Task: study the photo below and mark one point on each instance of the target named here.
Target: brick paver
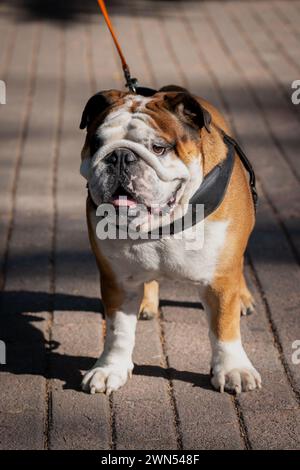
(242, 56)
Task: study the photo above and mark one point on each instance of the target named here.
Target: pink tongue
(123, 201)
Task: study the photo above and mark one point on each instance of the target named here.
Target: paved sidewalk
(241, 55)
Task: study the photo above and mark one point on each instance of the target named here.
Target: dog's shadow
(29, 352)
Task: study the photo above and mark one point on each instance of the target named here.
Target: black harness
(212, 190)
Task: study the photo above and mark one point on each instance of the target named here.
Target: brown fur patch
(224, 302)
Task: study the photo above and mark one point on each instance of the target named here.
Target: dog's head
(143, 150)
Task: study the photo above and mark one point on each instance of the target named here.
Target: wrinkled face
(143, 150)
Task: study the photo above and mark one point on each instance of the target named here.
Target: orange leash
(131, 83)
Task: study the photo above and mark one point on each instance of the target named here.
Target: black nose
(121, 154)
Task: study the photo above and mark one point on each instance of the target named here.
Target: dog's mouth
(124, 198)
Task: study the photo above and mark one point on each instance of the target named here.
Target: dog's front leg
(231, 368)
(115, 365)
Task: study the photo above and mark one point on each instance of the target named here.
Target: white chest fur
(145, 260)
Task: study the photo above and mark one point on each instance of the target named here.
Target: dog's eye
(158, 149)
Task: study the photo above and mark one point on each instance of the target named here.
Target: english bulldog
(157, 151)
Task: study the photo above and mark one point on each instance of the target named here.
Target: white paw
(236, 380)
(106, 379)
(231, 368)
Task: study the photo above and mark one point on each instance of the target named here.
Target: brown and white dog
(163, 146)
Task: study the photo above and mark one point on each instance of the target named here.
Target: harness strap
(248, 167)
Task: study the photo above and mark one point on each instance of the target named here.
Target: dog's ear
(188, 109)
(97, 104)
(173, 88)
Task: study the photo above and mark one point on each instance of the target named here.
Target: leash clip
(131, 83)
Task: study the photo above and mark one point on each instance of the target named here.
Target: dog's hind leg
(247, 301)
(150, 303)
